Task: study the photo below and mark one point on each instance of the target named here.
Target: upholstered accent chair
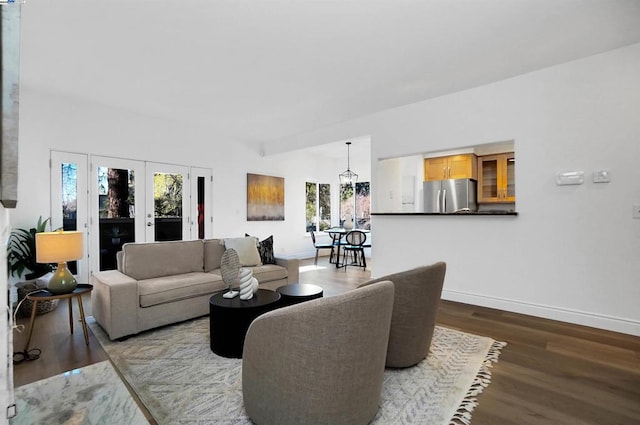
(415, 305)
(318, 362)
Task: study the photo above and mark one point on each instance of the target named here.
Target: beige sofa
(160, 283)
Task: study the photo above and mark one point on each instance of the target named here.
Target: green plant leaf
(21, 250)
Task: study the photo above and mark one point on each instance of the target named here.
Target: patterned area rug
(180, 380)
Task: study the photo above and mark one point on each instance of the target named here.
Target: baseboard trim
(595, 320)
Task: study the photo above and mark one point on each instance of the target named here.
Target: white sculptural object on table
(248, 284)
(230, 267)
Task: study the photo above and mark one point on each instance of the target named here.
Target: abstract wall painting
(265, 198)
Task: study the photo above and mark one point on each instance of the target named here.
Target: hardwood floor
(549, 373)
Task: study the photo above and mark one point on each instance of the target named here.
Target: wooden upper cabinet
(435, 168)
(451, 167)
(496, 178)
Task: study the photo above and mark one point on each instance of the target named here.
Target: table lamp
(59, 247)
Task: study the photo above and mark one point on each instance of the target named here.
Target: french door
(115, 201)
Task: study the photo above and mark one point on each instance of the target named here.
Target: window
(347, 205)
(318, 206)
(363, 206)
(356, 203)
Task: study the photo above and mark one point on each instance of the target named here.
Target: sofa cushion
(269, 272)
(213, 250)
(167, 289)
(157, 259)
(247, 249)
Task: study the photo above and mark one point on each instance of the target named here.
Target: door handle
(438, 201)
(149, 224)
(444, 200)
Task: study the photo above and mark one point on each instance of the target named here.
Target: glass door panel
(489, 170)
(69, 202)
(201, 211)
(168, 219)
(117, 184)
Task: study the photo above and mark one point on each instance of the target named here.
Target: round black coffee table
(229, 319)
(298, 292)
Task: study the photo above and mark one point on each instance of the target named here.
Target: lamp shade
(57, 247)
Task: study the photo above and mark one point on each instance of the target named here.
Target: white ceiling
(257, 71)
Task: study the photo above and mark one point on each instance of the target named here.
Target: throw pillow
(265, 249)
(246, 249)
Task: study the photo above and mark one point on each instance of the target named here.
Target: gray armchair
(319, 362)
(417, 296)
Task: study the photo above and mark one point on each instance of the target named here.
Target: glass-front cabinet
(496, 178)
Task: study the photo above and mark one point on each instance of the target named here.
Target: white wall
(573, 252)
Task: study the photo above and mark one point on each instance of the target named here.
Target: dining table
(337, 234)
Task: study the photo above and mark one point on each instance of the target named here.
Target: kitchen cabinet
(496, 178)
(451, 167)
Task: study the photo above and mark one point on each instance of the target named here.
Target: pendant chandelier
(348, 178)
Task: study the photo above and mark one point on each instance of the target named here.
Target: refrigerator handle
(444, 200)
(438, 202)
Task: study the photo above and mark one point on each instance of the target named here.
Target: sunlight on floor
(310, 268)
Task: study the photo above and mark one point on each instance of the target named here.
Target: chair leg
(316, 261)
(364, 260)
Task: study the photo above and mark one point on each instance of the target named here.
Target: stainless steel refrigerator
(450, 196)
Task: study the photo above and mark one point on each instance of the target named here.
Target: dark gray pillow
(265, 249)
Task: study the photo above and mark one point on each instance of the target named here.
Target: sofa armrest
(120, 260)
(114, 303)
(293, 268)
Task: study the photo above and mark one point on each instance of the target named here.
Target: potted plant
(21, 252)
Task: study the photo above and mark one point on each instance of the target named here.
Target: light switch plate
(601, 176)
(636, 211)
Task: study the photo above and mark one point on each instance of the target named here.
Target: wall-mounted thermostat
(569, 177)
(601, 176)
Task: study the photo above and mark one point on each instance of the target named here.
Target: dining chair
(355, 241)
(319, 246)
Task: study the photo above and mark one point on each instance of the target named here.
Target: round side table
(229, 319)
(44, 295)
(295, 293)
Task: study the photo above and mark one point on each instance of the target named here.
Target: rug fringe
(481, 381)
